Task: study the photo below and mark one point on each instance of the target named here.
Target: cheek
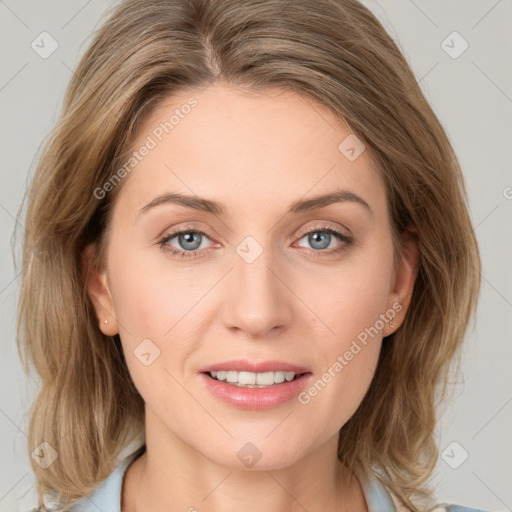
(150, 300)
(348, 359)
(158, 312)
(140, 305)
(348, 325)
(352, 298)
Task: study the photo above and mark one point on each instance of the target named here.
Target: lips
(244, 365)
(266, 397)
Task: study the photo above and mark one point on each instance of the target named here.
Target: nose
(259, 301)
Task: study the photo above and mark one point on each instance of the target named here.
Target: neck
(172, 476)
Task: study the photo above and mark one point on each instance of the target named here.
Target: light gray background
(472, 95)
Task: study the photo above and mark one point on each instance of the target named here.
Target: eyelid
(346, 239)
(172, 232)
(342, 231)
(304, 231)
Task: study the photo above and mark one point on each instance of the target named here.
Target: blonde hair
(332, 51)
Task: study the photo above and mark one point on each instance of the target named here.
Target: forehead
(240, 147)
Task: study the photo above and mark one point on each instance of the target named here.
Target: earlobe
(405, 277)
(99, 292)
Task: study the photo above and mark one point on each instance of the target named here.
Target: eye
(188, 241)
(321, 238)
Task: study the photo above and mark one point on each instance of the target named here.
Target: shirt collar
(107, 496)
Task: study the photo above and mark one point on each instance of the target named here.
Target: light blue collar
(376, 495)
(107, 496)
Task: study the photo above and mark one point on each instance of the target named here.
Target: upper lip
(244, 365)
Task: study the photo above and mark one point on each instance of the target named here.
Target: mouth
(255, 390)
(246, 379)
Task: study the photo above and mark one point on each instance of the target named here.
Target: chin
(257, 452)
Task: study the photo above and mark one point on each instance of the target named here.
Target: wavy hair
(331, 51)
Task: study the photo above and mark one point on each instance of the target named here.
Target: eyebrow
(299, 206)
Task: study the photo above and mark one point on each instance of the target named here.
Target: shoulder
(442, 507)
(106, 496)
(446, 507)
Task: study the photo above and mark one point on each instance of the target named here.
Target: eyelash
(196, 253)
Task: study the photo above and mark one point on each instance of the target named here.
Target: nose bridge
(258, 301)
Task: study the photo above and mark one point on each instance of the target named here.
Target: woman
(248, 250)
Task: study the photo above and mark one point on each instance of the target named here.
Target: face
(266, 274)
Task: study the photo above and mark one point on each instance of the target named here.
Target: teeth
(253, 379)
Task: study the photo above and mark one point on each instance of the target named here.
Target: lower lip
(256, 398)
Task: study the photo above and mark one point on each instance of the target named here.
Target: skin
(255, 154)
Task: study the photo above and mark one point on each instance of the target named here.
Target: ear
(403, 280)
(99, 292)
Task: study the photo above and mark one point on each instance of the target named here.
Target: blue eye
(321, 238)
(190, 240)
